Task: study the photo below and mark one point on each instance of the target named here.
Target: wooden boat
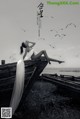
(7, 78)
(68, 82)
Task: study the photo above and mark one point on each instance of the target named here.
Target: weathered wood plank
(8, 75)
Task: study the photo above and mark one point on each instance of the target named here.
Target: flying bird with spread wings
(71, 24)
(51, 46)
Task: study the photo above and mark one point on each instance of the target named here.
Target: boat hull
(69, 83)
(8, 74)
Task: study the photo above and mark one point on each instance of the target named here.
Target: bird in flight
(70, 25)
(61, 29)
(51, 46)
(58, 35)
(23, 30)
(63, 34)
(42, 38)
(54, 30)
(52, 17)
(51, 30)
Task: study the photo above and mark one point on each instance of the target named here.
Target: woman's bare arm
(25, 53)
(32, 44)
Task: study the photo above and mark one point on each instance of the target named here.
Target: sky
(60, 30)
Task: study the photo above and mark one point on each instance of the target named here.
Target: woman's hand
(31, 42)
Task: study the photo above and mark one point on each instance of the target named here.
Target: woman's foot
(49, 61)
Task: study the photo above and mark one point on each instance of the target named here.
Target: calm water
(64, 71)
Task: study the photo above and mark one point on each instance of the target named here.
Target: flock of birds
(57, 33)
(61, 36)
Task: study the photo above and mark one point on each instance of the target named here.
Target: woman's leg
(54, 60)
(43, 52)
(50, 59)
(37, 56)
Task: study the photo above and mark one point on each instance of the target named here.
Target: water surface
(63, 71)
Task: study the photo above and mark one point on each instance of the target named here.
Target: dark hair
(23, 45)
(21, 50)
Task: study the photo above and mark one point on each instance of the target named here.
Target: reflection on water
(63, 71)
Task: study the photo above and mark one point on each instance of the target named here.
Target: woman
(34, 56)
(27, 47)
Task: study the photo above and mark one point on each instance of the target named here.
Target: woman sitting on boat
(33, 55)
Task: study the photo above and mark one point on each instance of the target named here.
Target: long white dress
(18, 85)
(19, 82)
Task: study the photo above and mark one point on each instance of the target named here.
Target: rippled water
(63, 71)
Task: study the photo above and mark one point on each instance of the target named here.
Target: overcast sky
(60, 32)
